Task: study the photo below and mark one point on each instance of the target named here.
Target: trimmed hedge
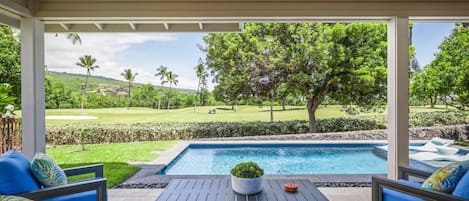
(70, 134)
(424, 119)
(114, 133)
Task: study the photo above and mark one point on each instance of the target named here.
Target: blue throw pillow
(15, 176)
(446, 178)
(47, 172)
(462, 189)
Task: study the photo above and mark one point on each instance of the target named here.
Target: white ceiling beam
(156, 27)
(99, 26)
(201, 26)
(241, 26)
(166, 26)
(214, 20)
(15, 8)
(133, 26)
(66, 26)
(195, 9)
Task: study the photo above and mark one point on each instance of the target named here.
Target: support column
(398, 95)
(32, 86)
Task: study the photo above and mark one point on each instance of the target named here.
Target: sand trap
(64, 117)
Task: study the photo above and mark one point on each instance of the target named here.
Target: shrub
(423, 119)
(115, 133)
(247, 170)
(70, 134)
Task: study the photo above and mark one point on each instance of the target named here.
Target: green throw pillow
(47, 172)
(12, 198)
(446, 178)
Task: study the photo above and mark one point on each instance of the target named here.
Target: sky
(144, 52)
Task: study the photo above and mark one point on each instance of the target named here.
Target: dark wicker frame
(378, 183)
(99, 185)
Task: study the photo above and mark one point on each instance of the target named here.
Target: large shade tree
(87, 62)
(130, 77)
(10, 68)
(446, 78)
(346, 62)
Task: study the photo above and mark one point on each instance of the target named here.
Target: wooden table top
(220, 190)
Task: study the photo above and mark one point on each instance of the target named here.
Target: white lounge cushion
(430, 156)
(441, 141)
(444, 150)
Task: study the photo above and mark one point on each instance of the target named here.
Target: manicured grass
(225, 114)
(115, 157)
(462, 143)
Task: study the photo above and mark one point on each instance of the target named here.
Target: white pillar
(32, 86)
(398, 95)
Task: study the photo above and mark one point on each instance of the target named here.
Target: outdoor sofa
(16, 179)
(384, 189)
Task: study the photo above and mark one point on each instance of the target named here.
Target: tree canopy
(345, 62)
(10, 67)
(446, 78)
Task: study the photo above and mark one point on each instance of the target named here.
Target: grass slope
(74, 82)
(115, 157)
(244, 113)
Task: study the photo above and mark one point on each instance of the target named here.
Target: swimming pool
(215, 159)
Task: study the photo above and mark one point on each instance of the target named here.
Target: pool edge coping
(168, 156)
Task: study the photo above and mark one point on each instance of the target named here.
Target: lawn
(115, 157)
(462, 143)
(243, 113)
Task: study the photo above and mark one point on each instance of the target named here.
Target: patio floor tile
(333, 194)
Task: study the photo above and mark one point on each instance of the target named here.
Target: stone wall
(456, 132)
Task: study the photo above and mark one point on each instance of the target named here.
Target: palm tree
(161, 72)
(202, 75)
(171, 78)
(87, 62)
(73, 37)
(129, 76)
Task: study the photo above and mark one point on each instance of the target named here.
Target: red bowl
(291, 187)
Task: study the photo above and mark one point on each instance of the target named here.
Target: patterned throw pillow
(446, 178)
(12, 198)
(47, 172)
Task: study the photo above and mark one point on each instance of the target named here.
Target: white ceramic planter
(247, 186)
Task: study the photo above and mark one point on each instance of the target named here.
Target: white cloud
(61, 55)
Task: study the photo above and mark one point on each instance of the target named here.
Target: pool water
(301, 159)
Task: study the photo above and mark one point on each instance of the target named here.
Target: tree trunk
(84, 91)
(272, 107)
(128, 98)
(432, 102)
(159, 99)
(312, 116)
(169, 97)
(283, 104)
(197, 94)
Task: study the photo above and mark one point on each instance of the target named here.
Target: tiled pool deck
(333, 194)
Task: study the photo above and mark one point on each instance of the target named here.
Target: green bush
(424, 119)
(70, 134)
(247, 170)
(114, 133)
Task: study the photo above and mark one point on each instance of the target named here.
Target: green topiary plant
(247, 170)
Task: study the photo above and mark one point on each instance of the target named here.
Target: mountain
(74, 82)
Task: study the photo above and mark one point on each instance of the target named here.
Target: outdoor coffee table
(220, 190)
